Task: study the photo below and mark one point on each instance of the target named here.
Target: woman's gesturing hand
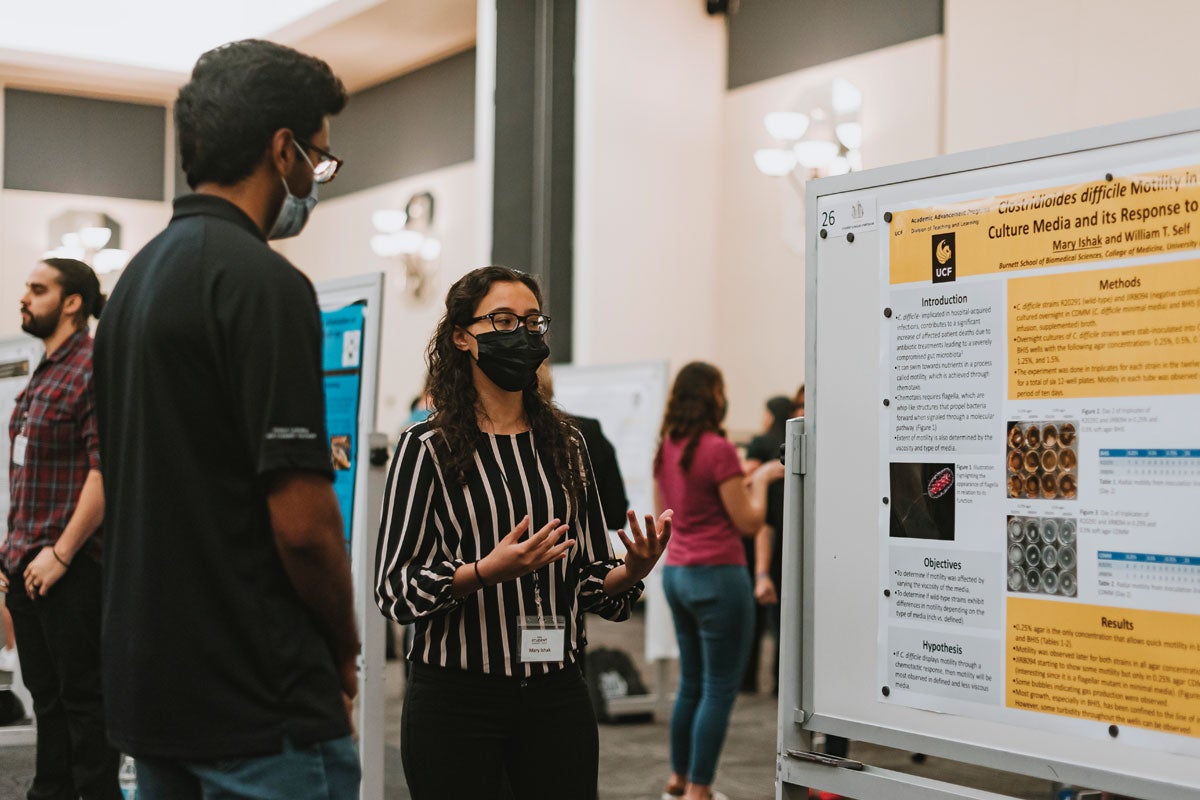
(642, 550)
(513, 558)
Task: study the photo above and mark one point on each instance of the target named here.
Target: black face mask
(510, 360)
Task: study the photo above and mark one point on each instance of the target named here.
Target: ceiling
(144, 49)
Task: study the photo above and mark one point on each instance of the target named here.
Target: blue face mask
(419, 415)
(293, 214)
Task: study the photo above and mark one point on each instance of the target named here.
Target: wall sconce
(823, 137)
(88, 236)
(408, 236)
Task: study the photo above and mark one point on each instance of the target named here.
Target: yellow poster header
(1121, 217)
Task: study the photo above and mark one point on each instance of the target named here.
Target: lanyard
(537, 501)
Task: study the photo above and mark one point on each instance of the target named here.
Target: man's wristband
(58, 558)
(760, 575)
(482, 583)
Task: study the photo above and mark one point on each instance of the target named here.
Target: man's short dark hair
(240, 94)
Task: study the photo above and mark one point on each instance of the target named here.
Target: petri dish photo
(1016, 579)
(1033, 436)
(1033, 580)
(1050, 436)
(1066, 434)
(1016, 439)
(1067, 487)
(1049, 581)
(1066, 558)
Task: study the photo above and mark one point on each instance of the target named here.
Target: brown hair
(455, 400)
(692, 410)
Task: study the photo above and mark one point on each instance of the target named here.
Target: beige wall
(24, 237)
(1028, 68)
(760, 271)
(649, 88)
(336, 244)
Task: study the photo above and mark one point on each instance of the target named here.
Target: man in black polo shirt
(229, 641)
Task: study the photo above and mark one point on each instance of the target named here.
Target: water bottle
(1065, 792)
(127, 778)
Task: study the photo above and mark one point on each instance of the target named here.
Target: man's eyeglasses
(326, 168)
(507, 322)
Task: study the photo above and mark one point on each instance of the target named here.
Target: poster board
(997, 503)
(629, 400)
(351, 318)
(18, 359)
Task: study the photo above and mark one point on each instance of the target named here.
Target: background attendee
(51, 557)
(762, 448)
(474, 550)
(230, 642)
(610, 485)
(697, 472)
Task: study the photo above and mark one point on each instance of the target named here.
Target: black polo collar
(210, 205)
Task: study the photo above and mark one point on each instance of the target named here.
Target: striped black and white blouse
(432, 525)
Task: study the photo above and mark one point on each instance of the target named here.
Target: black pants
(58, 641)
(464, 733)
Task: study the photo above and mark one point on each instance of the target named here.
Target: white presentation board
(1003, 472)
(629, 400)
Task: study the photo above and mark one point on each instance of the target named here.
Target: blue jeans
(713, 609)
(323, 771)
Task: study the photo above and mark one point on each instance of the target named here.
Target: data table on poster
(1164, 463)
(1149, 572)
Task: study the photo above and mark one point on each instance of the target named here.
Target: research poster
(342, 367)
(1041, 437)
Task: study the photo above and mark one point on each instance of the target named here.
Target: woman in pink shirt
(697, 472)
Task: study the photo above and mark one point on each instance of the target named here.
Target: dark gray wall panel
(418, 122)
(78, 145)
(534, 175)
(768, 38)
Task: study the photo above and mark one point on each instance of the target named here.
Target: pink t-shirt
(702, 534)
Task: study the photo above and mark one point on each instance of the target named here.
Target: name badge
(20, 445)
(543, 639)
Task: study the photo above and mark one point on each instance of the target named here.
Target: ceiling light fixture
(821, 136)
(407, 236)
(92, 237)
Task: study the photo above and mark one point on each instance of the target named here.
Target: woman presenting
(493, 545)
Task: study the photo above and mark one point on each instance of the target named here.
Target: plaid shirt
(57, 411)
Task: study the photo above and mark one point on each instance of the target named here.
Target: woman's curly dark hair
(692, 410)
(452, 389)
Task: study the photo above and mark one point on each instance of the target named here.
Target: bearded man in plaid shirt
(51, 557)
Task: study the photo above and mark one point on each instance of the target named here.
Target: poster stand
(352, 311)
(1036, 287)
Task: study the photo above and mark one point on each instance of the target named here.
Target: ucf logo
(943, 257)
